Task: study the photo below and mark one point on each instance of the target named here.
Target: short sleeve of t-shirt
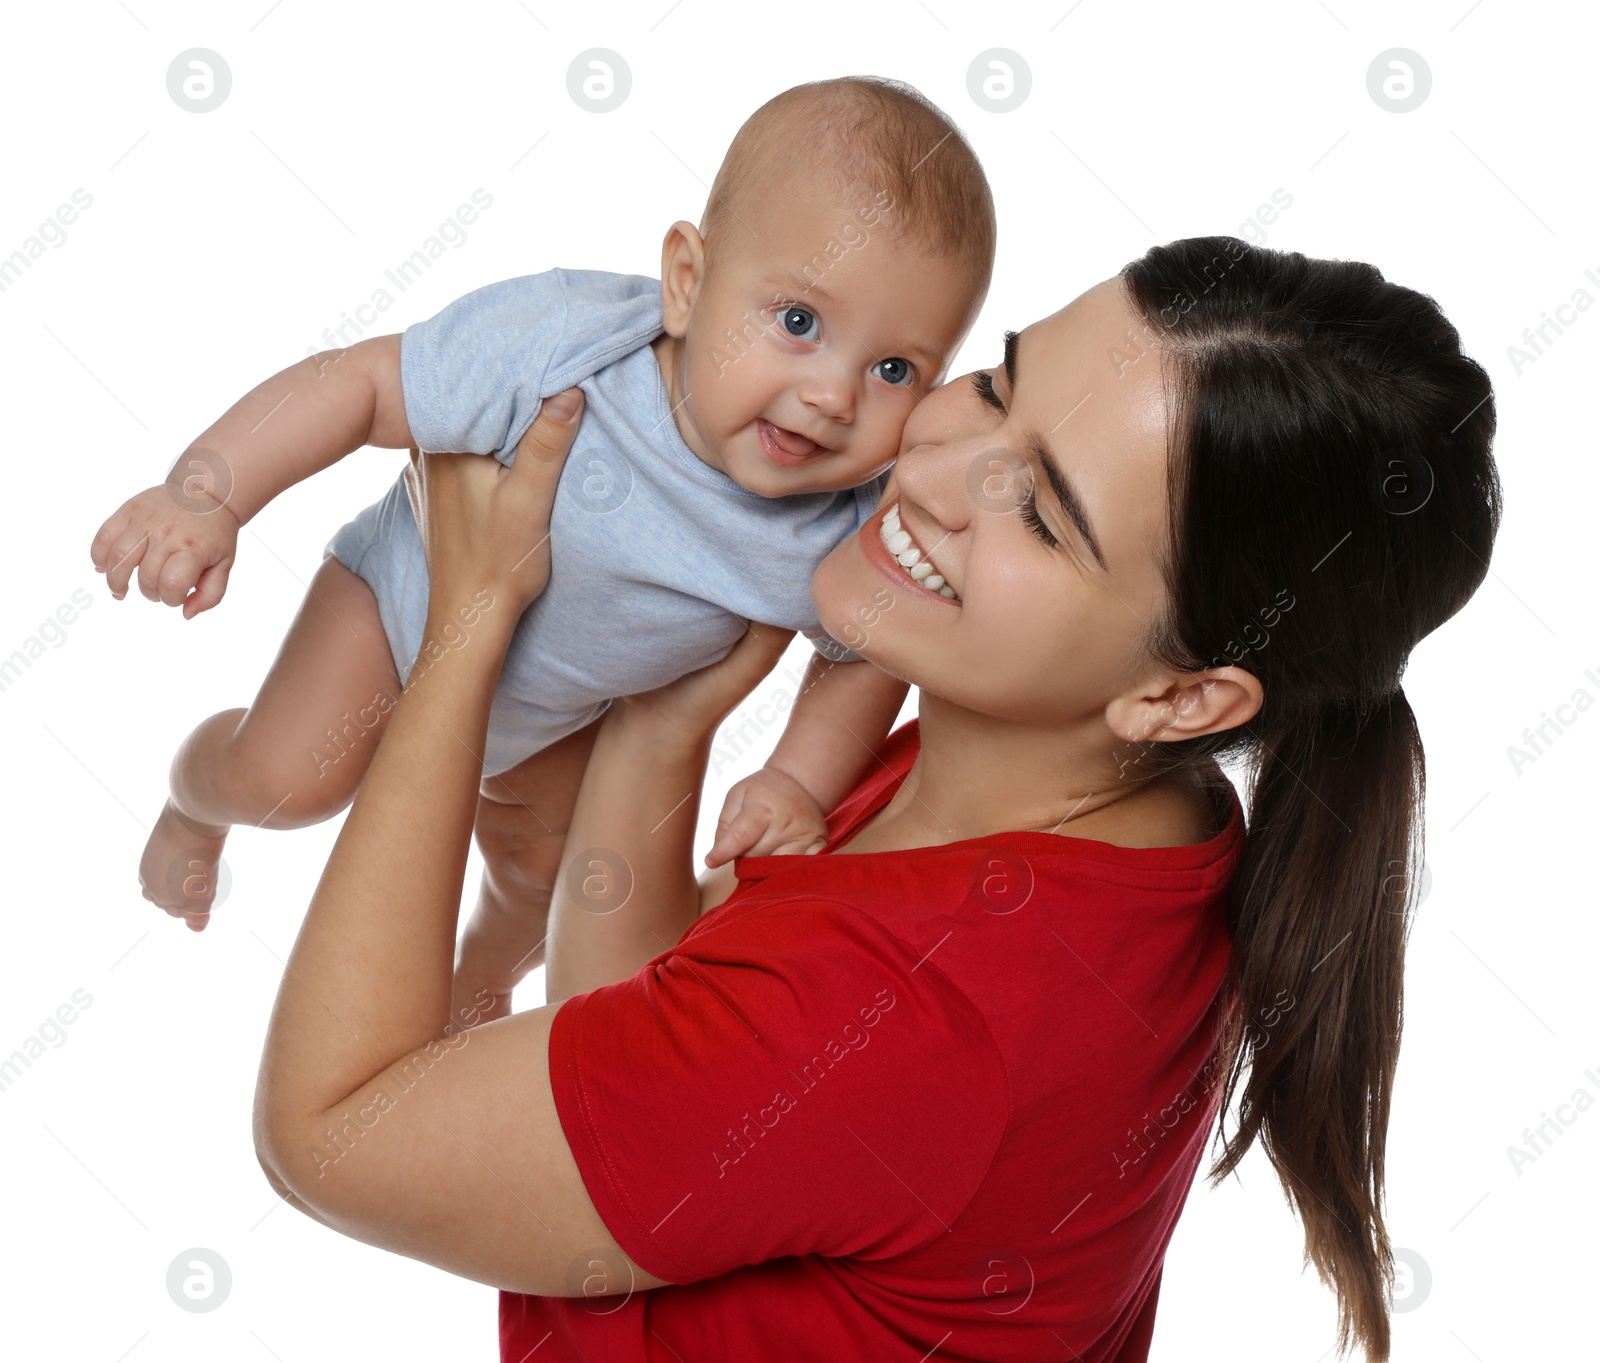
(786, 1081)
(473, 375)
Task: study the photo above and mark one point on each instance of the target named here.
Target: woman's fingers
(483, 523)
(412, 475)
(526, 493)
(550, 436)
(709, 695)
(756, 653)
(697, 702)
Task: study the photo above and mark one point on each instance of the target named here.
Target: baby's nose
(833, 395)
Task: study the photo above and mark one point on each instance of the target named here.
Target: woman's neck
(976, 776)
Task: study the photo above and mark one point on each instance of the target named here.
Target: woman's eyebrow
(1060, 484)
(1066, 494)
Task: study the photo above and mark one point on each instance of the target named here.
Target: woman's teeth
(904, 551)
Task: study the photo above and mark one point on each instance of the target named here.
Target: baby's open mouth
(785, 446)
(904, 550)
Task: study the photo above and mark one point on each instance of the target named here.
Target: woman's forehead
(1082, 332)
(1096, 360)
(1089, 385)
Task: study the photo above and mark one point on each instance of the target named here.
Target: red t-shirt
(879, 1104)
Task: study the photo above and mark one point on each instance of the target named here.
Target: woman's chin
(841, 588)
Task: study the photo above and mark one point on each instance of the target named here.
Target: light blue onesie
(656, 558)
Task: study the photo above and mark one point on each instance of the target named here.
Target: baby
(739, 418)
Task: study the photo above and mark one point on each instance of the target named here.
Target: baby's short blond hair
(861, 138)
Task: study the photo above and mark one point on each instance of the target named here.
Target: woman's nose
(940, 478)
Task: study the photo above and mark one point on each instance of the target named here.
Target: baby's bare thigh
(524, 813)
(325, 702)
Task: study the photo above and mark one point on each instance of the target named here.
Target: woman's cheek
(853, 601)
(938, 418)
(896, 429)
(837, 578)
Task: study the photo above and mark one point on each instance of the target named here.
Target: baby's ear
(683, 269)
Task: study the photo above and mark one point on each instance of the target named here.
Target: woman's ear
(683, 270)
(1176, 708)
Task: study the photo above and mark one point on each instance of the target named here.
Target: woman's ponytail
(1332, 500)
(1319, 917)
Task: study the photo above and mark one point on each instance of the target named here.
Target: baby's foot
(178, 871)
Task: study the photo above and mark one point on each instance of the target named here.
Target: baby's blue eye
(893, 370)
(801, 322)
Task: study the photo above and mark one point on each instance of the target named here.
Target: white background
(220, 245)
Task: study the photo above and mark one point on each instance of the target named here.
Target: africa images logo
(853, 1036)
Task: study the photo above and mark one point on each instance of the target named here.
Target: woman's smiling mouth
(909, 559)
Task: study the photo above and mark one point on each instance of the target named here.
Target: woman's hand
(487, 526)
(635, 815)
(690, 708)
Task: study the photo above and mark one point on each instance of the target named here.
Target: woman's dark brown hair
(1333, 500)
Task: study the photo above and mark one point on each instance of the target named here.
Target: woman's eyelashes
(1029, 510)
(983, 381)
(1028, 505)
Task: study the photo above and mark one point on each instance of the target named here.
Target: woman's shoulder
(1183, 808)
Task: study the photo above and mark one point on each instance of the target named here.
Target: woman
(944, 1087)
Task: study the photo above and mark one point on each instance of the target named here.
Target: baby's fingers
(735, 837)
(208, 590)
(153, 569)
(100, 547)
(799, 844)
(789, 833)
(177, 577)
(127, 552)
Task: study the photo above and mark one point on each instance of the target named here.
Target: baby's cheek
(877, 442)
(711, 388)
(866, 463)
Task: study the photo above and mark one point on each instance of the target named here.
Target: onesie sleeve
(474, 374)
(786, 1081)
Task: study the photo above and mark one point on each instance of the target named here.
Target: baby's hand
(177, 550)
(768, 814)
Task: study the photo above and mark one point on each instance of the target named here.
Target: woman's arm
(447, 1149)
(627, 889)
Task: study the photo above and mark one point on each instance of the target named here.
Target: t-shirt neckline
(1184, 856)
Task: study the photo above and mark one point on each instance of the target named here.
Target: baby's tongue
(792, 443)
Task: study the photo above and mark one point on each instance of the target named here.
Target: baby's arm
(840, 719)
(181, 533)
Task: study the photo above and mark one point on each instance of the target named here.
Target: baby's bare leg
(294, 758)
(522, 821)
